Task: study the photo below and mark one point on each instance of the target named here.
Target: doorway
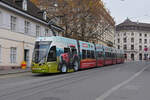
(26, 57)
(132, 57)
(140, 56)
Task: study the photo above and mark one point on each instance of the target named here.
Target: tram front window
(40, 51)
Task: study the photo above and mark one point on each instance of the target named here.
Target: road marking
(109, 92)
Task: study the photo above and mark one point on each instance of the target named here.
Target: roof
(129, 22)
(130, 25)
(31, 8)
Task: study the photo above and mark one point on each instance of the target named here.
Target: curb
(18, 72)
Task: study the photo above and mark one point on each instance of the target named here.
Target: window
(140, 47)
(107, 54)
(124, 34)
(46, 32)
(145, 35)
(66, 50)
(125, 40)
(118, 40)
(132, 40)
(52, 54)
(38, 30)
(145, 46)
(145, 56)
(92, 54)
(132, 47)
(0, 53)
(118, 46)
(145, 41)
(74, 51)
(140, 40)
(13, 23)
(13, 54)
(26, 27)
(132, 34)
(140, 34)
(100, 54)
(125, 47)
(88, 54)
(83, 54)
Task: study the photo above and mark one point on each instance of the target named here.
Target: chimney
(24, 5)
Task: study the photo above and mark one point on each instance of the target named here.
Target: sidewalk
(14, 71)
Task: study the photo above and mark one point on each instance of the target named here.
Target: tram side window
(88, 54)
(110, 55)
(66, 50)
(114, 55)
(92, 54)
(106, 54)
(74, 51)
(52, 54)
(117, 55)
(83, 54)
(100, 54)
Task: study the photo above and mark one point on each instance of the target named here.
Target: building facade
(20, 23)
(134, 39)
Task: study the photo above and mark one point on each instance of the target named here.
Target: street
(128, 81)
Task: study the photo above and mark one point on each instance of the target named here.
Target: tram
(59, 54)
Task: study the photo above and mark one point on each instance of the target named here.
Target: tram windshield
(40, 51)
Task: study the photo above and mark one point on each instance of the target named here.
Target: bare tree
(81, 19)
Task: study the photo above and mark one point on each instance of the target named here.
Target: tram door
(26, 57)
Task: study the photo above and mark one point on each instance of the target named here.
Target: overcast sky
(136, 10)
